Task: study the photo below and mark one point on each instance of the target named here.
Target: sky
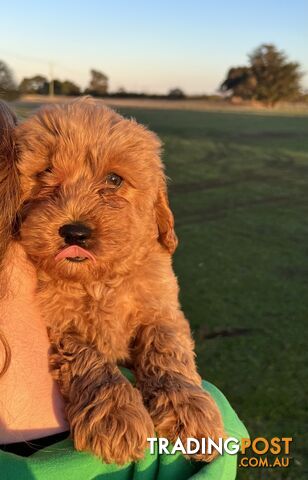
(149, 45)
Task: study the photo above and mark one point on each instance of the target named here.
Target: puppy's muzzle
(75, 233)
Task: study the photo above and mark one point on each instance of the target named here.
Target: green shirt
(61, 462)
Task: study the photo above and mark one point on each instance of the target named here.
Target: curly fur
(124, 308)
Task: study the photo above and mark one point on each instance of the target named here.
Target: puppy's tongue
(74, 251)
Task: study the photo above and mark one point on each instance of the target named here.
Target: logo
(264, 453)
(259, 452)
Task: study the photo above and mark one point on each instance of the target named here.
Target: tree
(39, 85)
(98, 85)
(70, 88)
(65, 88)
(34, 85)
(57, 87)
(176, 94)
(8, 88)
(277, 78)
(241, 81)
(270, 77)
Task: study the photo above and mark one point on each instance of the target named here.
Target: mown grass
(239, 192)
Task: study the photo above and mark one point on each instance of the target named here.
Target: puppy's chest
(100, 315)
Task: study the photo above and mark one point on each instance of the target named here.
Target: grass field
(239, 192)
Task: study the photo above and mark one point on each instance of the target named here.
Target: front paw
(113, 424)
(186, 411)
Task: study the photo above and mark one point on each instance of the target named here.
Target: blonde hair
(9, 204)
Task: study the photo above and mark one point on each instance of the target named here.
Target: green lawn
(239, 192)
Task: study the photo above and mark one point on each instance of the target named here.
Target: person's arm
(30, 403)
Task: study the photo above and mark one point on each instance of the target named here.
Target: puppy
(96, 223)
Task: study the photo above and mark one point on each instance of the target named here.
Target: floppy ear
(9, 181)
(165, 220)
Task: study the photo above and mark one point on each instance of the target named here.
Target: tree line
(40, 85)
(268, 78)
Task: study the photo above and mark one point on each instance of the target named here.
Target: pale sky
(148, 45)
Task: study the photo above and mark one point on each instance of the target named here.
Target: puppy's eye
(44, 172)
(113, 180)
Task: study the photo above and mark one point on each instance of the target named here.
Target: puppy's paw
(187, 412)
(112, 424)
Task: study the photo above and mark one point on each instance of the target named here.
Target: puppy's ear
(165, 220)
(9, 181)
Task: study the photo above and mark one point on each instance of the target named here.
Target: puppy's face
(93, 191)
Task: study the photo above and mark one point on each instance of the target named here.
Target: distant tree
(98, 86)
(57, 86)
(121, 92)
(8, 88)
(176, 94)
(241, 81)
(70, 88)
(270, 77)
(36, 85)
(277, 78)
(39, 85)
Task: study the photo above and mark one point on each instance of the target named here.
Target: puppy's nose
(75, 233)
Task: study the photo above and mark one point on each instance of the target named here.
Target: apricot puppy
(95, 221)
